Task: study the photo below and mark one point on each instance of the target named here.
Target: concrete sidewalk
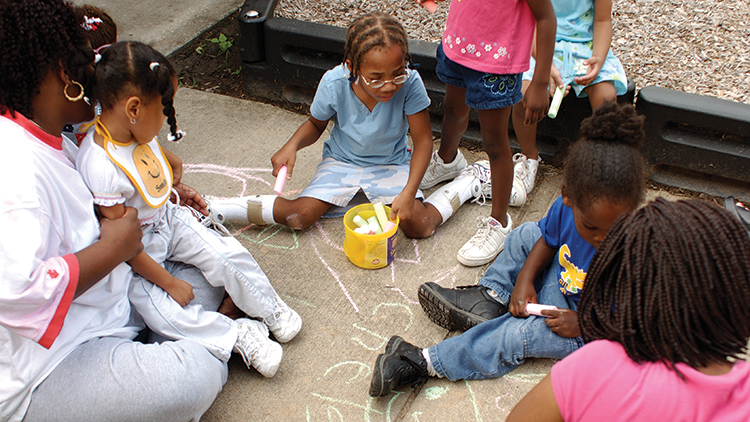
(348, 313)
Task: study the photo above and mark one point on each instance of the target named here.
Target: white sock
(451, 196)
(430, 369)
(266, 205)
(231, 208)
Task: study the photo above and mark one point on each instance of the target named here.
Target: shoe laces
(432, 168)
(213, 220)
(521, 171)
(483, 174)
(250, 340)
(485, 228)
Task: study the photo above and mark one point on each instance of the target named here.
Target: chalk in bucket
(369, 251)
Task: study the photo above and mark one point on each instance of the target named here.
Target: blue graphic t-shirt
(574, 254)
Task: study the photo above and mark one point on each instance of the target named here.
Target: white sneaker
(214, 220)
(484, 246)
(438, 171)
(287, 322)
(483, 190)
(256, 349)
(520, 175)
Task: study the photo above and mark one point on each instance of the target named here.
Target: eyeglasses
(377, 83)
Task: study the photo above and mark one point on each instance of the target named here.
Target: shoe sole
(378, 385)
(444, 313)
(477, 262)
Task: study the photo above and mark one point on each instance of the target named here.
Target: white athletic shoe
(438, 171)
(256, 349)
(483, 190)
(484, 246)
(287, 322)
(520, 175)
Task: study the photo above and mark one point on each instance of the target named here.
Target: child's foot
(229, 309)
(256, 349)
(438, 171)
(524, 177)
(287, 323)
(401, 364)
(486, 244)
(460, 308)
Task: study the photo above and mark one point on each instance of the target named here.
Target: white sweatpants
(178, 236)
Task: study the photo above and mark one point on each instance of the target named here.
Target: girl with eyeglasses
(374, 98)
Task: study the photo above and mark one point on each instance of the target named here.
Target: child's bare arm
(421, 134)
(146, 267)
(536, 98)
(540, 256)
(602, 41)
(307, 134)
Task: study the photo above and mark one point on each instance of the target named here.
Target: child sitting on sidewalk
(666, 321)
(543, 263)
(123, 165)
(374, 98)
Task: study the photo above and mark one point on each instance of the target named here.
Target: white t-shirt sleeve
(108, 184)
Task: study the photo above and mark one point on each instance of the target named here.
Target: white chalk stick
(361, 222)
(556, 100)
(278, 187)
(374, 226)
(536, 309)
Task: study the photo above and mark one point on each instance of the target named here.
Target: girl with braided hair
(666, 320)
(374, 97)
(123, 166)
(543, 263)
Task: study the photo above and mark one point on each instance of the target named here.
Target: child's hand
(594, 65)
(189, 197)
(123, 234)
(536, 101)
(181, 291)
(286, 156)
(403, 206)
(555, 81)
(523, 293)
(563, 322)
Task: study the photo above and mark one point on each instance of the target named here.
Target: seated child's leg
(299, 213)
(601, 92)
(496, 347)
(466, 306)
(425, 218)
(225, 262)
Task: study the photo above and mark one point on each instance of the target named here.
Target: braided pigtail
(671, 283)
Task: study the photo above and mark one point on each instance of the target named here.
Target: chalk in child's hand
(380, 213)
(278, 187)
(361, 222)
(536, 309)
(374, 226)
(556, 100)
(430, 6)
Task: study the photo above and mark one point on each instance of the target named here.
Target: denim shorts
(484, 91)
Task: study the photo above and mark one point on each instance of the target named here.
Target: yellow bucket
(369, 251)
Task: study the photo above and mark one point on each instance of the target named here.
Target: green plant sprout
(224, 45)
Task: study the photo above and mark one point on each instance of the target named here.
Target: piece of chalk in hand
(556, 100)
(536, 309)
(430, 6)
(278, 187)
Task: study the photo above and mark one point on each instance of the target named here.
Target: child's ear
(133, 107)
(566, 199)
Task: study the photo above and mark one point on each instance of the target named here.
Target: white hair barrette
(90, 24)
(153, 65)
(176, 138)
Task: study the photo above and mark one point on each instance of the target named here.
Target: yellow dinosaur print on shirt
(571, 280)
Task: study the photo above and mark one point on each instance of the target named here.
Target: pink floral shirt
(492, 36)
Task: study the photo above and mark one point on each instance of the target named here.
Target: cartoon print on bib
(150, 170)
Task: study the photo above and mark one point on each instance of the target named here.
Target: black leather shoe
(460, 308)
(401, 364)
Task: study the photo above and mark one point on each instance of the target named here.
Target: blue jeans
(496, 347)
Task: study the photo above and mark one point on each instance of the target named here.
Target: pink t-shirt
(492, 36)
(599, 382)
